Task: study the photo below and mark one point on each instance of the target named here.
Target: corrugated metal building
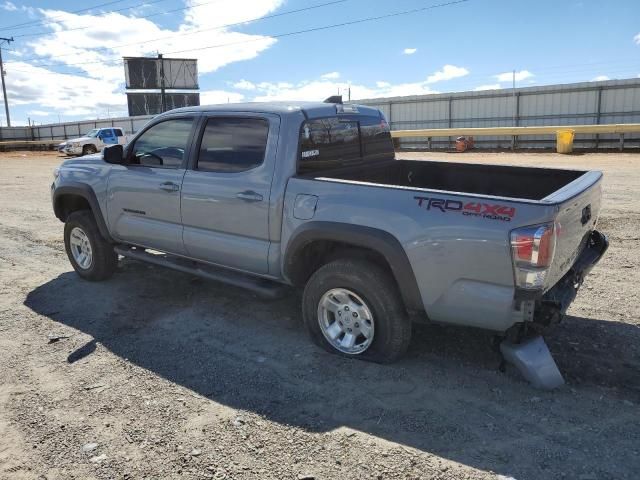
(612, 101)
(588, 103)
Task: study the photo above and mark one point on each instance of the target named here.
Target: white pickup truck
(94, 141)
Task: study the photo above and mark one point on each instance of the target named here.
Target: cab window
(233, 144)
(163, 145)
(327, 143)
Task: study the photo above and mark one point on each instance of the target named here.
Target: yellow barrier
(564, 141)
(517, 131)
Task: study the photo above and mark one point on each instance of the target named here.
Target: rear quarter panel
(462, 262)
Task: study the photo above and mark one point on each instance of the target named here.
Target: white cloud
(9, 6)
(600, 78)
(508, 76)
(99, 50)
(62, 93)
(244, 85)
(39, 113)
(322, 88)
(331, 75)
(212, 97)
(491, 86)
(448, 72)
(637, 39)
(325, 86)
(115, 35)
(409, 51)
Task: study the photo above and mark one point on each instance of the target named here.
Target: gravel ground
(156, 374)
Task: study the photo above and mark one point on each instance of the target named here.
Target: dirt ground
(158, 375)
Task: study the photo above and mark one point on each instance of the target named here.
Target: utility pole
(4, 88)
(163, 99)
(514, 98)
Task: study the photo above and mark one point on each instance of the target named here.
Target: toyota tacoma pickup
(270, 196)
(94, 141)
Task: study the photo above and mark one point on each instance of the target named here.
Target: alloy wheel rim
(81, 248)
(346, 321)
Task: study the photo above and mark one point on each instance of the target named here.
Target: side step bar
(262, 287)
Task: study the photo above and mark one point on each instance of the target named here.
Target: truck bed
(496, 180)
(455, 253)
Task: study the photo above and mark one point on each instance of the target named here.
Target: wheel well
(314, 255)
(67, 204)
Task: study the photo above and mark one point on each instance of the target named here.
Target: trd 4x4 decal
(491, 211)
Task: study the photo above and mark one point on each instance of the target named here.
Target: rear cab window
(343, 141)
(233, 144)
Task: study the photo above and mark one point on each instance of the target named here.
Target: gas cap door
(304, 207)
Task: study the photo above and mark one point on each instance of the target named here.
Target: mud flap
(534, 361)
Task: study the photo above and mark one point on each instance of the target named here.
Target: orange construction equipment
(464, 143)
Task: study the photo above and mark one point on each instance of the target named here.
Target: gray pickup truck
(269, 196)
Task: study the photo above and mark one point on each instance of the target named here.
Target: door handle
(249, 196)
(169, 187)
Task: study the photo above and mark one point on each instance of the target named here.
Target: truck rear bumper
(552, 306)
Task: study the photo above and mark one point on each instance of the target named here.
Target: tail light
(532, 250)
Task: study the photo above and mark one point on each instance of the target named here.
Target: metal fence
(64, 131)
(590, 103)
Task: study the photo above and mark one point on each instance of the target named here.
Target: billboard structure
(158, 75)
(143, 103)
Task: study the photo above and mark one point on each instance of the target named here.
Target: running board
(264, 288)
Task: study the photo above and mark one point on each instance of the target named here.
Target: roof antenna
(334, 99)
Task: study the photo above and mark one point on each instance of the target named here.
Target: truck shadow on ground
(446, 397)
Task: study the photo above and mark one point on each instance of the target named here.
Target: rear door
(225, 195)
(143, 202)
(120, 137)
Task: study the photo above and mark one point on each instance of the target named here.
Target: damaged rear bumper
(553, 304)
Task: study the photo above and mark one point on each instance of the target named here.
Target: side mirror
(113, 154)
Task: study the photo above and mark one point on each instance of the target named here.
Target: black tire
(89, 149)
(378, 289)
(104, 259)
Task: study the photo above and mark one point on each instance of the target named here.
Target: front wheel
(91, 256)
(89, 149)
(353, 308)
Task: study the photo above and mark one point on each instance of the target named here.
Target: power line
(327, 27)
(51, 21)
(45, 22)
(287, 34)
(193, 32)
(43, 34)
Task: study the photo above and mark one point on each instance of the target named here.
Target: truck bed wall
(497, 180)
(462, 263)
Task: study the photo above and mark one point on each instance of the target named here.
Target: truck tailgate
(578, 209)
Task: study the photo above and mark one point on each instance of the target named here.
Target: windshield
(93, 133)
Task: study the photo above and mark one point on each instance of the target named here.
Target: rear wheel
(91, 256)
(89, 149)
(353, 308)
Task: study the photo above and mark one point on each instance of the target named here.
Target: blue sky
(66, 64)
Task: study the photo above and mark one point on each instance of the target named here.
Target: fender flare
(86, 192)
(370, 238)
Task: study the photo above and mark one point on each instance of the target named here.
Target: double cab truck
(94, 141)
(270, 196)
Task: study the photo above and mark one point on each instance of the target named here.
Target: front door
(225, 197)
(108, 137)
(143, 198)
